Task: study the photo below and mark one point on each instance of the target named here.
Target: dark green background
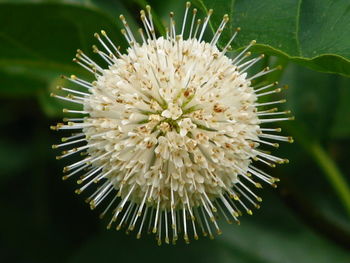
(305, 220)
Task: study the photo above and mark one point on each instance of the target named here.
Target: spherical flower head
(171, 129)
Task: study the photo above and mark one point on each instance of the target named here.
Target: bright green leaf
(314, 33)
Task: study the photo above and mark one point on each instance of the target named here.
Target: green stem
(334, 175)
(323, 160)
(318, 153)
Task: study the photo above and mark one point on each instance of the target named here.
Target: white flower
(170, 130)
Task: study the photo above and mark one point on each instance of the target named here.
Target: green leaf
(34, 56)
(14, 84)
(314, 33)
(54, 31)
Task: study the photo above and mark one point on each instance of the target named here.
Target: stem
(334, 175)
(320, 156)
(324, 161)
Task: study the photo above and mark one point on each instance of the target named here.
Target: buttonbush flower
(170, 131)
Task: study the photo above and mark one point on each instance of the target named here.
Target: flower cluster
(170, 130)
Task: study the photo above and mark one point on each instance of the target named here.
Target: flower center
(172, 112)
(173, 118)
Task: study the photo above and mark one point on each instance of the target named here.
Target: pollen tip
(96, 35)
(278, 90)
(238, 29)
(78, 191)
(188, 4)
(249, 212)
(95, 49)
(258, 185)
(187, 241)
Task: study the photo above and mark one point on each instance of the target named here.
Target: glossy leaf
(314, 33)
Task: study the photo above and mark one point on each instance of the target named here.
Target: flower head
(170, 130)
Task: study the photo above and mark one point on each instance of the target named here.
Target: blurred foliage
(305, 220)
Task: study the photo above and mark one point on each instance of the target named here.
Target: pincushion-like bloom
(170, 130)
